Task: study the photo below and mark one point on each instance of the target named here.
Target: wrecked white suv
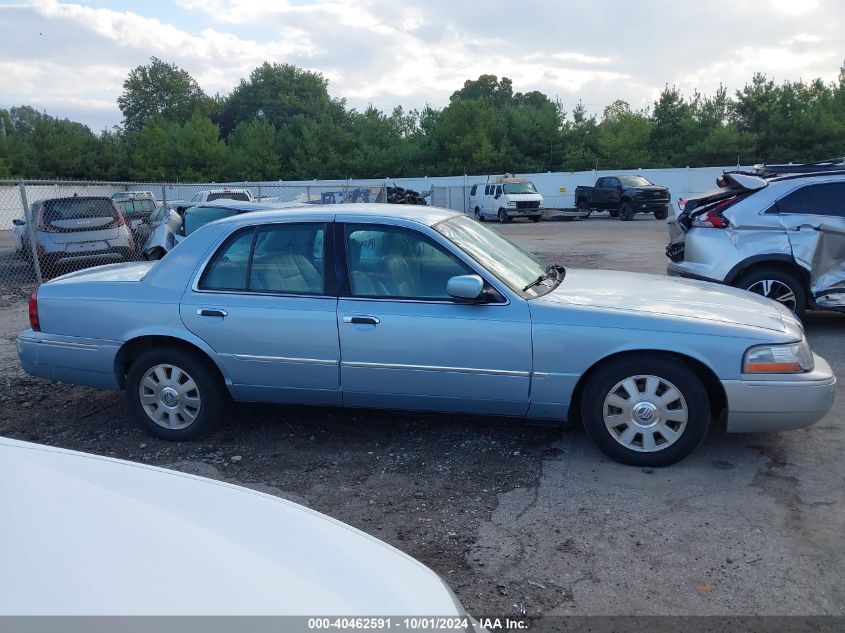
(781, 235)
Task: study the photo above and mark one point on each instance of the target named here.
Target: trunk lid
(133, 271)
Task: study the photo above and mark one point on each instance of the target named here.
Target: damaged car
(778, 234)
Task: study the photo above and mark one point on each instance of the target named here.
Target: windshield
(519, 187)
(513, 265)
(228, 195)
(634, 181)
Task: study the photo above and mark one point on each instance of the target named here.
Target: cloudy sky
(70, 58)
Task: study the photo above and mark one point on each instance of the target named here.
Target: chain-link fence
(51, 228)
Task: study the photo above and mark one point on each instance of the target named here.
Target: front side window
(392, 262)
(821, 199)
(280, 258)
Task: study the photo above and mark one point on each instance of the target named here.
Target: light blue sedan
(424, 309)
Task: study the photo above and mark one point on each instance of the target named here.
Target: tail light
(712, 216)
(119, 220)
(42, 226)
(34, 323)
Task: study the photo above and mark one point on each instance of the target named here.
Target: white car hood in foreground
(667, 296)
(87, 535)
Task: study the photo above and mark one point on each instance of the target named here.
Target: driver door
(406, 344)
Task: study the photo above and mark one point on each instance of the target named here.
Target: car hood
(132, 271)
(659, 295)
(89, 535)
(657, 188)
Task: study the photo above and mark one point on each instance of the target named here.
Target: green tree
(623, 137)
(162, 90)
(253, 152)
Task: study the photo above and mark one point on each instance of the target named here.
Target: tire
(637, 439)
(626, 212)
(584, 207)
(662, 214)
(614, 213)
(503, 216)
(776, 284)
(156, 370)
(478, 215)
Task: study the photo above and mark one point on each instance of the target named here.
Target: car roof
(42, 200)
(416, 213)
(243, 205)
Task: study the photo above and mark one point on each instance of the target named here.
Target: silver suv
(76, 228)
(777, 232)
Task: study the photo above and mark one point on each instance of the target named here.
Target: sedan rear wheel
(649, 412)
(173, 394)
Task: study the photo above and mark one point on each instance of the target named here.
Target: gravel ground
(520, 518)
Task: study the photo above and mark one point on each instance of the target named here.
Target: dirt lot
(521, 518)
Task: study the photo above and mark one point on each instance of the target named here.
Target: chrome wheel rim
(776, 290)
(169, 396)
(645, 413)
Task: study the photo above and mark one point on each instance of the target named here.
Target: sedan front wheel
(652, 412)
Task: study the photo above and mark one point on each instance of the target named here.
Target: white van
(505, 199)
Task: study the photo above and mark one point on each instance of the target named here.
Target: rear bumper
(780, 403)
(79, 361)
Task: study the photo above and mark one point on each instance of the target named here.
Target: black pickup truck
(623, 196)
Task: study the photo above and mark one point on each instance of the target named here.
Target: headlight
(792, 358)
(511, 204)
(542, 204)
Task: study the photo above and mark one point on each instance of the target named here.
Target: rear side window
(284, 258)
(228, 269)
(472, 191)
(821, 199)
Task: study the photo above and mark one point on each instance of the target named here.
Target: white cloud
(386, 53)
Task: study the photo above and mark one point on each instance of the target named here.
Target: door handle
(361, 320)
(212, 312)
(803, 227)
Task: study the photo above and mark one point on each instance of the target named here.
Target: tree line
(282, 123)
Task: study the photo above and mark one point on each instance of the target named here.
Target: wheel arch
(715, 392)
(133, 347)
(773, 260)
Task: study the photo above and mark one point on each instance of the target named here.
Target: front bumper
(650, 206)
(780, 403)
(71, 359)
(523, 213)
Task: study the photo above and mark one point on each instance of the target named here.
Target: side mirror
(465, 287)
(19, 222)
(174, 221)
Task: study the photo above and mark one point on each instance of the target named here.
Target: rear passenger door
(266, 303)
